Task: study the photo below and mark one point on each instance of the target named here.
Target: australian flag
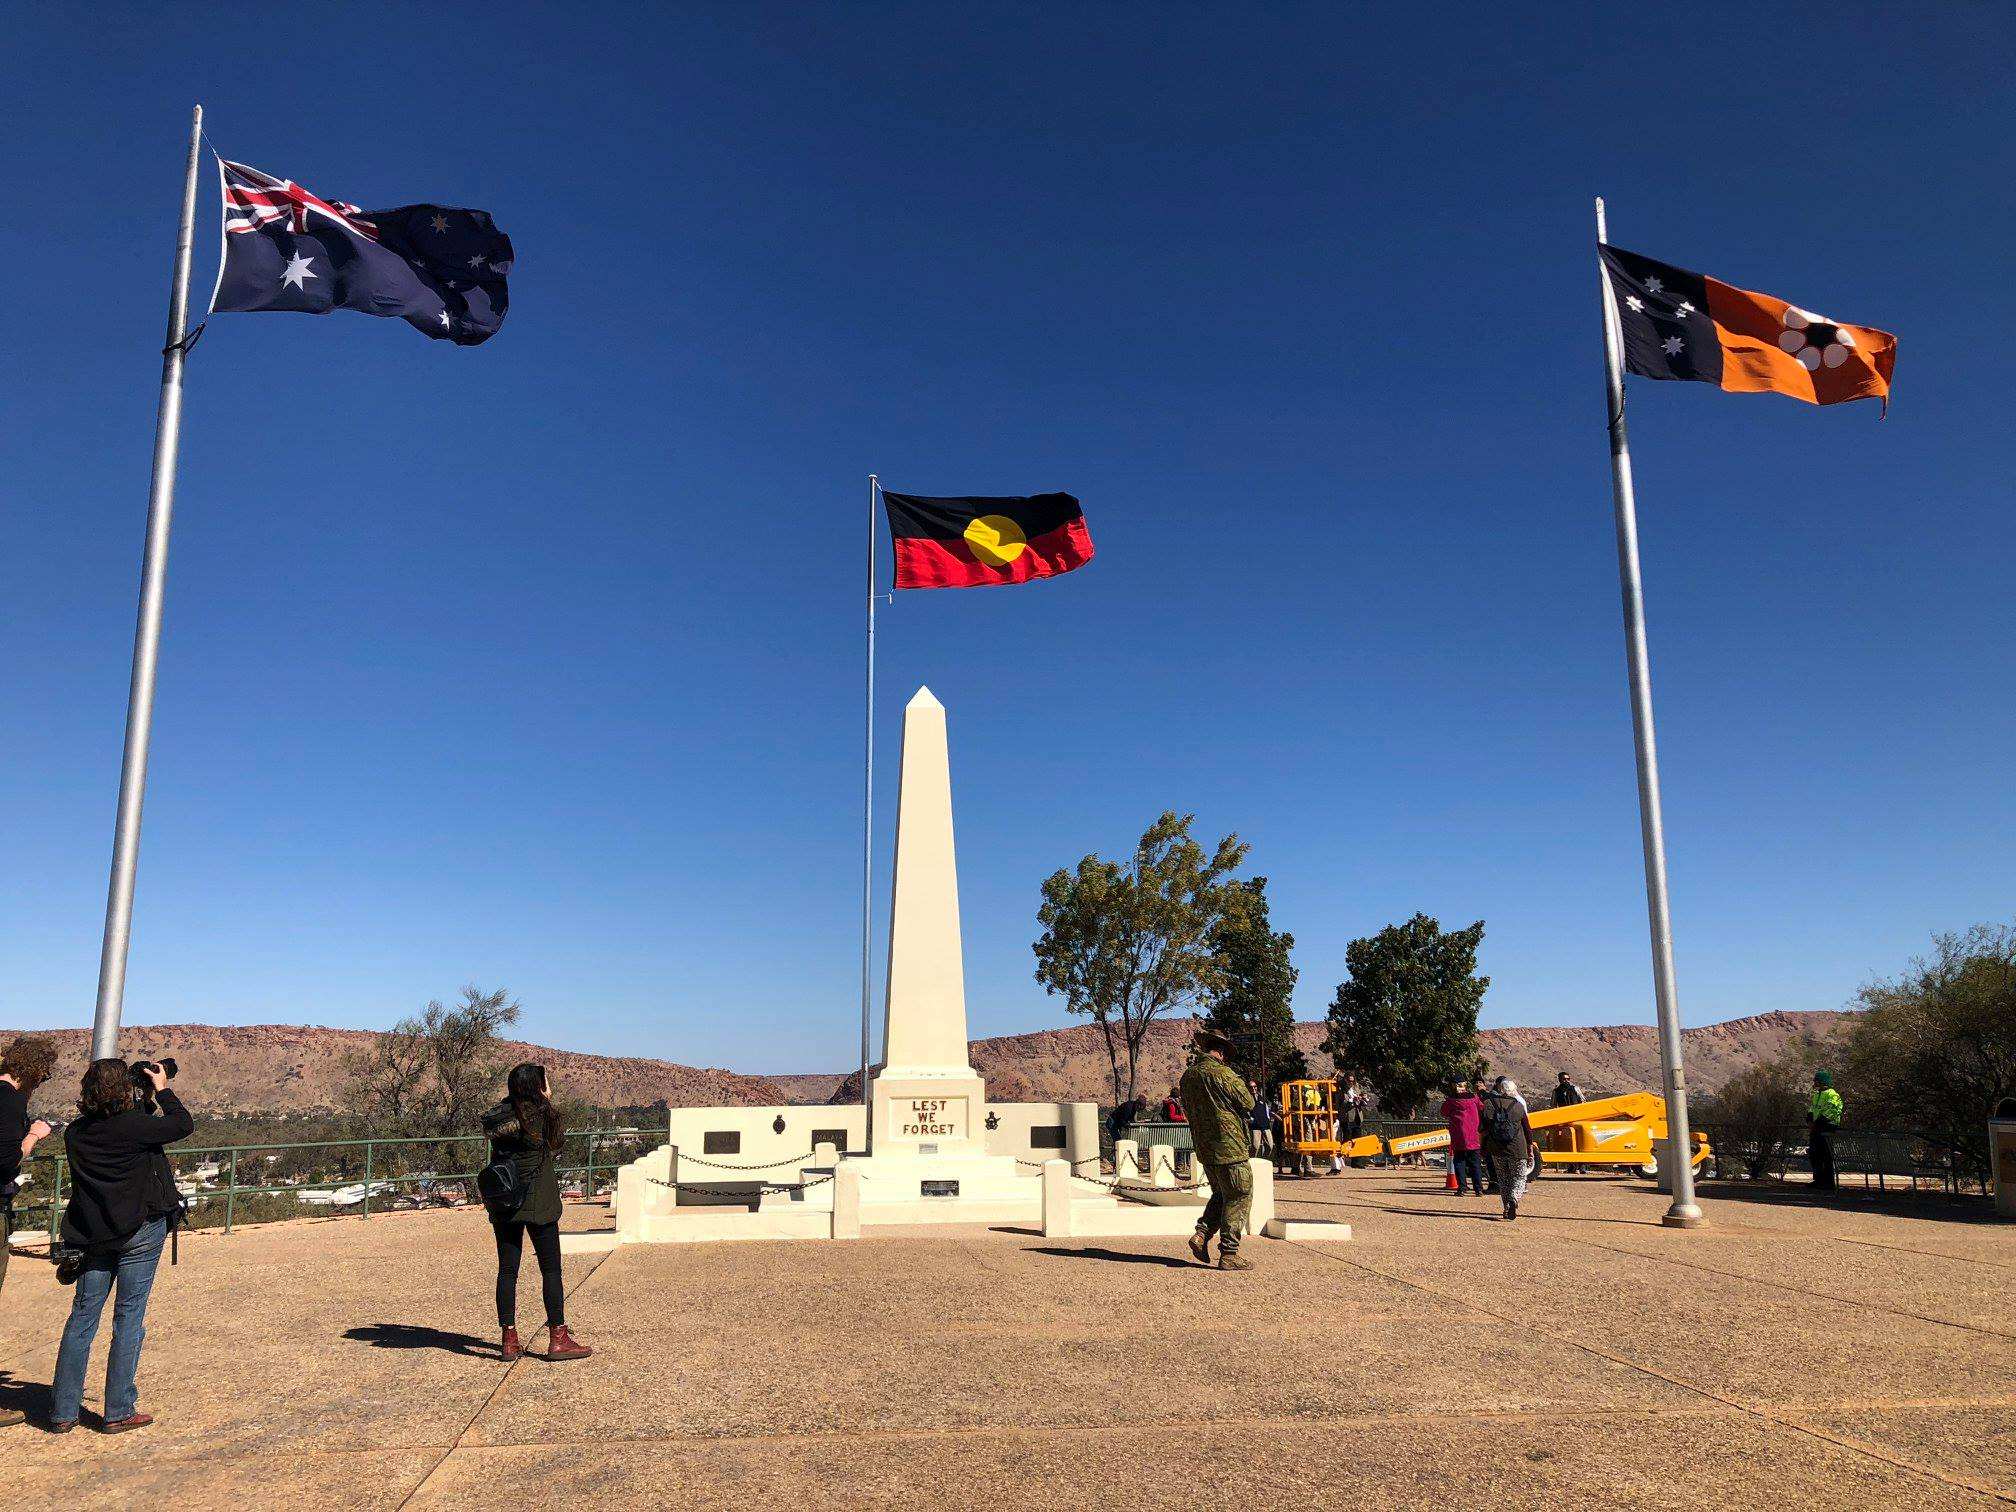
(439, 268)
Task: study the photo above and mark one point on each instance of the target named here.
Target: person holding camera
(521, 1191)
(122, 1202)
(24, 1067)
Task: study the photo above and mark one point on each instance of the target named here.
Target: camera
(143, 1088)
(139, 1069)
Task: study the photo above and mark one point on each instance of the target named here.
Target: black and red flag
(980, 542)
(1686, 326)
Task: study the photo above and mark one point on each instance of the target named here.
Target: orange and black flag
(1682, 325)
(978, 543)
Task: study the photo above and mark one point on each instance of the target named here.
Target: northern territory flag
(439, 268)
(1682, 325)
(978, 543)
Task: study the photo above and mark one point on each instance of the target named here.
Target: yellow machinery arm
(1625, 1130)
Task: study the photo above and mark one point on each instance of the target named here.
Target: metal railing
(603, 1151)
(1886, 1160)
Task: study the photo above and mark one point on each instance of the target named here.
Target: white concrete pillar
(1081, 1137)
(847, 1200)
(1162, 1165)
(1263, 1195)
(1056, 1199)
(1126, 1160)
(630, 1204)
(825, 1155)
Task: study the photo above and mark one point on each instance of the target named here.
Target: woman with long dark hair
(526, 1129)
(122, 1201)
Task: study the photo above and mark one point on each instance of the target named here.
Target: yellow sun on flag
(996, 540)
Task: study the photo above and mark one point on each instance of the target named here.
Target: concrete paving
(1857, 1354)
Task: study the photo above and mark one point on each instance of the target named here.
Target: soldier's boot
(1234, 1261)
(1200, 1246)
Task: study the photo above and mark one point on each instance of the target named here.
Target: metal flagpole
(147, 635)
(868, 822)
(1684, 1213)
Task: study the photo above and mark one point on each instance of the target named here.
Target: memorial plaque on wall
(929, 1117)
(941, 1188)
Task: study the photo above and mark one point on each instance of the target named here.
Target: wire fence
(1883, 1160)
(229, 1185)
(1880, 1159)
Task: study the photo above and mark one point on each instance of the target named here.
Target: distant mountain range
(1067, 1065)
(293, 1068)
(288, 1068)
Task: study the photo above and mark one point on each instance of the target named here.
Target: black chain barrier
(766, 1165)
(741, 1190)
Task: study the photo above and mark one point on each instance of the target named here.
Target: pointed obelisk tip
(924, 699)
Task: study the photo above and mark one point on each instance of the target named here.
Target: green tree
(388, 1076)
(1935, 1049)
(468, 1055)
(1125, 944)
(1405, 1021)
(1756, 1114)
(1252, 1009)
(434, 1071)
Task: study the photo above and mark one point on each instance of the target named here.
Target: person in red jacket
(1464, 1113)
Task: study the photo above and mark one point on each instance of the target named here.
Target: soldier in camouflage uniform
(1217, 1104)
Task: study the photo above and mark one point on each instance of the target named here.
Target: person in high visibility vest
(1823, 1121)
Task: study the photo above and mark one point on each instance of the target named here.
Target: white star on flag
(444, 320)
(1653, 286)
(296, 271)
(1635, 302)
(1673, 344)
(476, 261)
(440, 222)
(1686, 308)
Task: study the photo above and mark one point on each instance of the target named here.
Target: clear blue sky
(540, 663)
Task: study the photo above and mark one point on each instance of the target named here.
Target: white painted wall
(761, 1145)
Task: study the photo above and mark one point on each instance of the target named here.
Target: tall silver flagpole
(147, 635)
(868, 819)
(1684, 1213)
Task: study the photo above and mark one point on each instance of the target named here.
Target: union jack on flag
(439, 268)
(253, 199)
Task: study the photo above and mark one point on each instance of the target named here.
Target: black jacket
(538, 1167)
(119, 1177)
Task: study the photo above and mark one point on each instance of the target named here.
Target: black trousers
(510, 1249)
(1820, 1151)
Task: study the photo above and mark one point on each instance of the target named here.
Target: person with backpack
(123, 1203)
(521, 1191)
(1509, 1144)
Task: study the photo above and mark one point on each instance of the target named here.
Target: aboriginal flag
(978, 543)
(1681, 325)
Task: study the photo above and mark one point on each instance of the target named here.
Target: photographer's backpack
(501, 1186)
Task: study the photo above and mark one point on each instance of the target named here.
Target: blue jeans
(1468, 1163)
(132, 1269)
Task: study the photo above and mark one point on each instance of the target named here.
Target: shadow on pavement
(1120, 1256)
(420, 1336)
(31, 1397)
(1853, 1199)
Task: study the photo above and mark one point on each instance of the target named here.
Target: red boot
(512, 1348)
(561, 1345)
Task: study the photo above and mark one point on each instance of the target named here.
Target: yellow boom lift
(1625, 1131)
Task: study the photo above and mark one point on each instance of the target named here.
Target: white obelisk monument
(928, 1104)
(927, 1098)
